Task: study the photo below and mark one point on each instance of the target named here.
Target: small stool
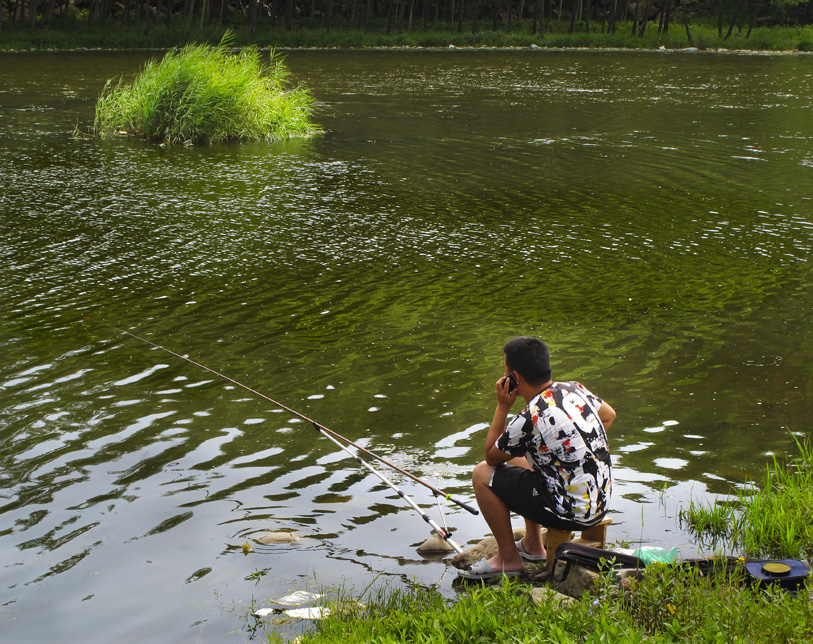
(594, 536)
(553, 539)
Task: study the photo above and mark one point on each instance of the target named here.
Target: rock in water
(486, 549)
(278, 537)
(434, 544)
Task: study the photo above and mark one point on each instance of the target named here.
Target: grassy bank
(704, 36)
(669, 603)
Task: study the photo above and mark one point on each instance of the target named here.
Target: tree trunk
(541, 17)
(668, 16)
(751, 24)
(509, 15)
(460, 18)
(733, 19)
(146, 17)
(614, 10)
(252, 16)
(574, 10)
(742, 16)
(32, 14)
(289, 15)
(634, 19)
(476, 16)
(686, 22)
(328, 5)
(588, 10)
(645, 19)
(720, 20)
(536, 17)
(401, 10)
(494, 14)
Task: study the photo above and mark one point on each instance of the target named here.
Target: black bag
(569, 553)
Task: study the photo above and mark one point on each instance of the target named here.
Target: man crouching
(550, 464)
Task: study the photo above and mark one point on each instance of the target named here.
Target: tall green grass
(207, 94)
(669, 604)
(772, 520)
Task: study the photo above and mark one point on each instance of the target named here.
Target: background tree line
(407, 15)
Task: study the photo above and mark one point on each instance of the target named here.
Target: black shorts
(525, 493)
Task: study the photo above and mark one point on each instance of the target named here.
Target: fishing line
(335, 437)
(442, 532)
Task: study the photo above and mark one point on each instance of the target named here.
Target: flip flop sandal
(529, 557)
(481, 570)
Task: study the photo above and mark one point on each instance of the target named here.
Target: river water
(649, 214)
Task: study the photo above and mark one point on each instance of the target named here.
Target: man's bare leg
(498, 518)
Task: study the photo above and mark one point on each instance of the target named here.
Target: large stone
(487, 548)
(277, 537)
(434, 545)
(546, 595)
(579, 580)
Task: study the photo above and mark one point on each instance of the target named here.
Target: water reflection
(648, 214)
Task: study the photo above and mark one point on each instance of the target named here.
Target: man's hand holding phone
(507, 390)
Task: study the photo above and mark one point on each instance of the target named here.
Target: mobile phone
(513, 383)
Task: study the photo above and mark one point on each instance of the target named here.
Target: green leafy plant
(774, 520)
(207, 94)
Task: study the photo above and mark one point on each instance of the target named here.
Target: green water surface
(648, 214)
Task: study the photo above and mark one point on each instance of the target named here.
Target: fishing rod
(442, 533)
(329, 433)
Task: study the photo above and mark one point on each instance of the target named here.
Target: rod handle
(465, 506)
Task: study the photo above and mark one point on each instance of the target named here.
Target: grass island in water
(204, 94)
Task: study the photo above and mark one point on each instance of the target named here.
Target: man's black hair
(529, 357)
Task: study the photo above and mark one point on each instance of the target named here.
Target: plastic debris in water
(264, 611)
(298, 598)
(312, 612)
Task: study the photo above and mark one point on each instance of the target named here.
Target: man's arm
(505, 400)
(606, 415)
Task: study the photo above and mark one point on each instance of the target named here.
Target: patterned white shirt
(563, 439)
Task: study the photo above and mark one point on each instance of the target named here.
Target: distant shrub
(207, 94)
